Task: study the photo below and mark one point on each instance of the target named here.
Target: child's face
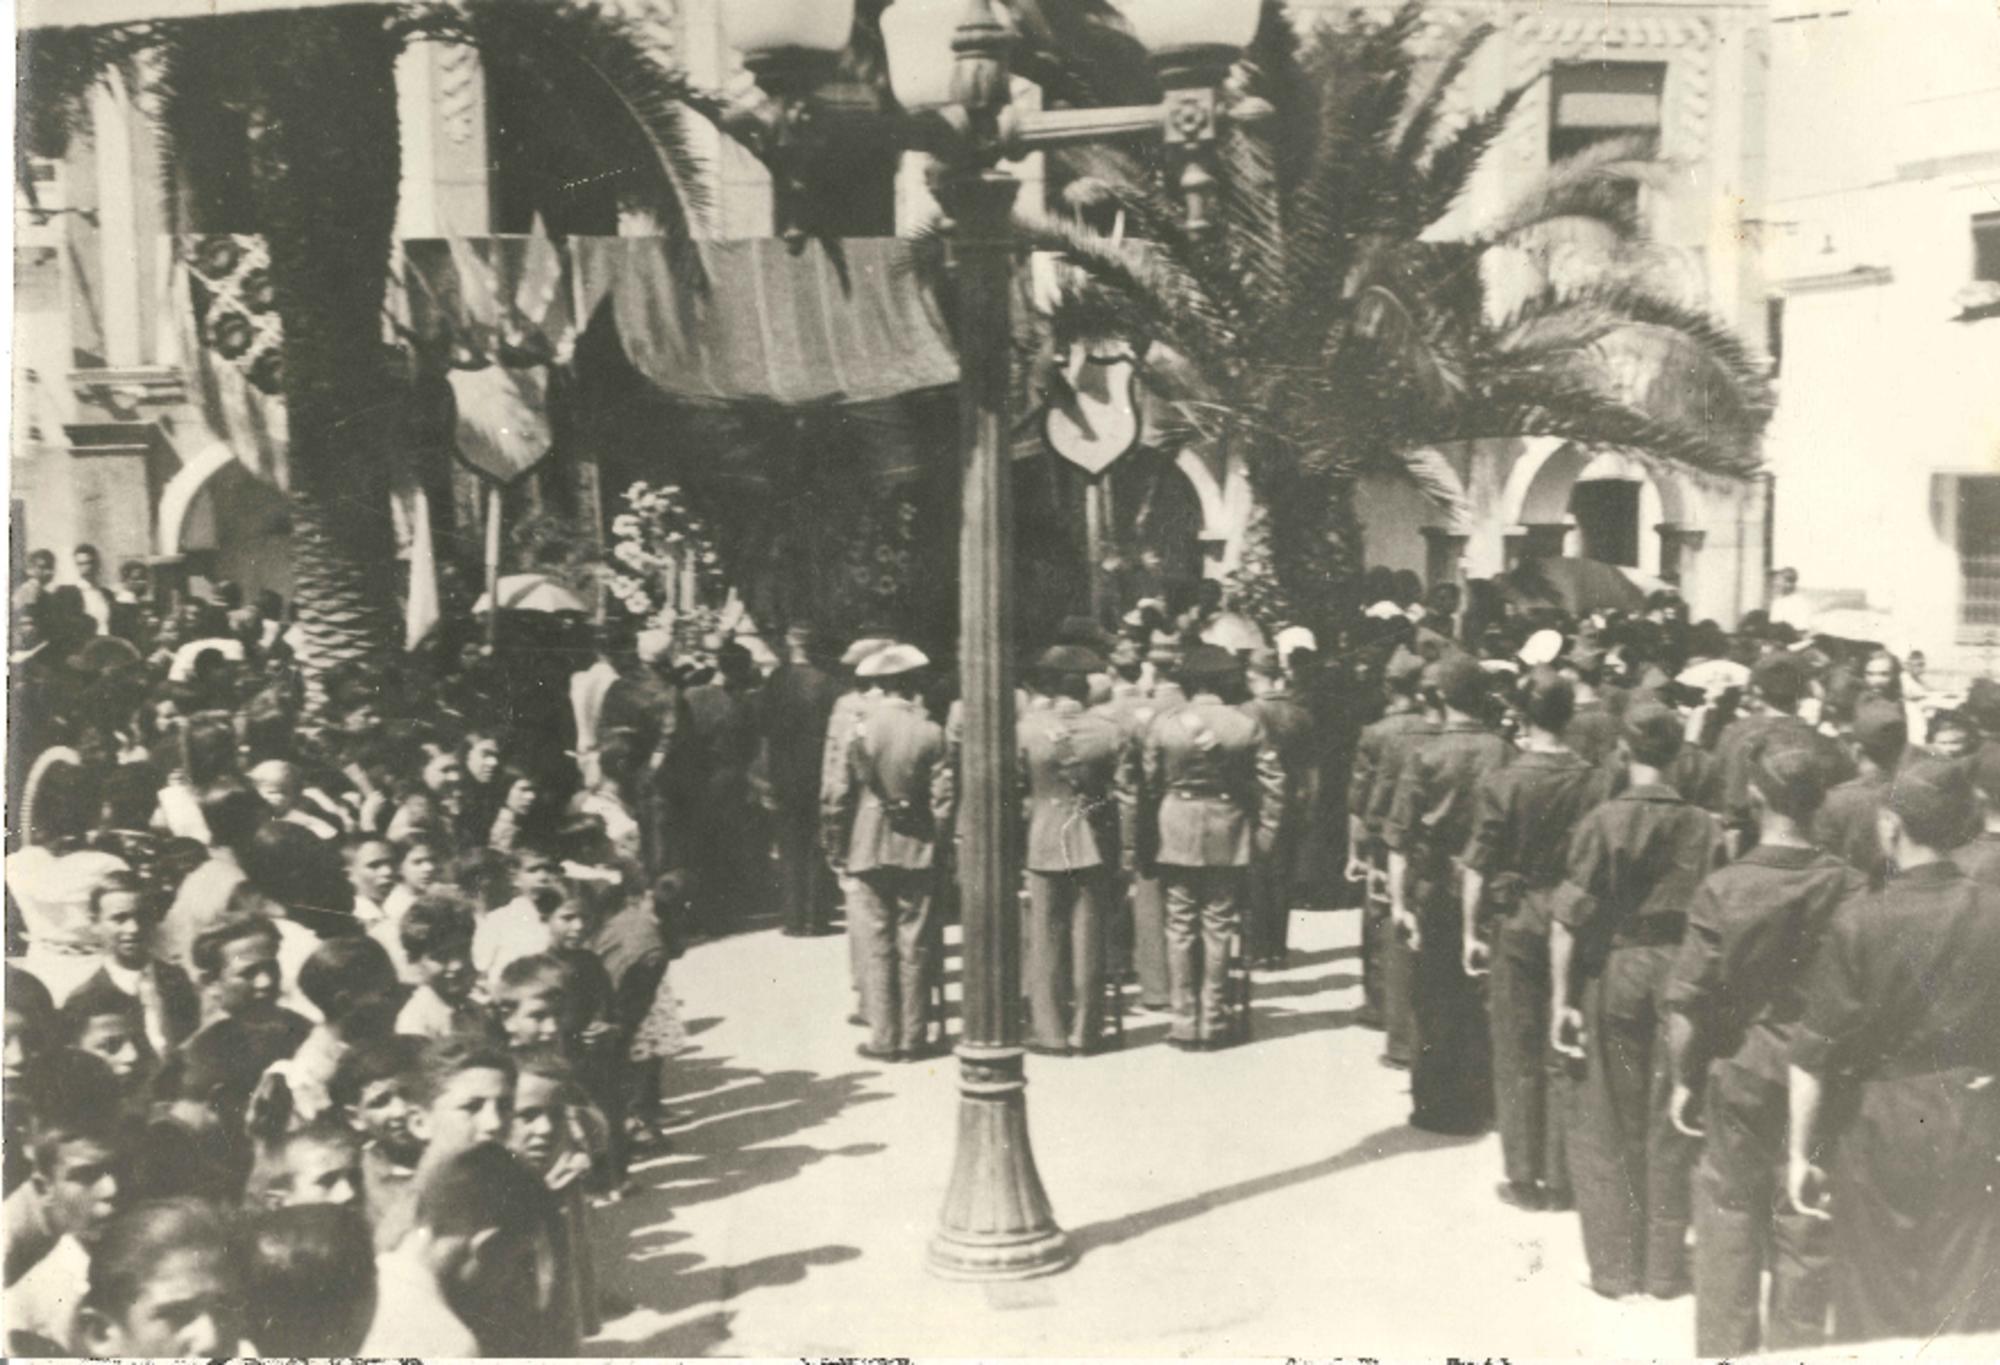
(538, 1120)
(249, 979)
(474, 1107)
(371, 867)
(382, 1116)
(118, 1040)
(531, 1019)
(538, 879)
(568, 926)
(81, 1192)
(447, 970)
(320, 1173)
(419, 868)
(482, 760)
(521, 797)
(122, 928)
(444, 773)
(22, 1046)
(185, 1309)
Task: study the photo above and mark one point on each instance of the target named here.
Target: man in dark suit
(1289, 727)
(726, 851)
(791, 713)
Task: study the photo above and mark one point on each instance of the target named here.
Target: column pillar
(1444, 555)
(1678, 547)
(1536, 540)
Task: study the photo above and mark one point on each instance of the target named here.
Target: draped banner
(498, 310)
(232, 346)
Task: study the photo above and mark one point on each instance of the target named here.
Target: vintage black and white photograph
(1003, 678)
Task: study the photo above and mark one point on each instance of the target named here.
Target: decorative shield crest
(1093, 418)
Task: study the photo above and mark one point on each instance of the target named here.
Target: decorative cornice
(125, 394)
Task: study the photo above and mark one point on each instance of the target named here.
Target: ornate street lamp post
(948, 68)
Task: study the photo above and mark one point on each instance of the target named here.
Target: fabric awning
(762, 323)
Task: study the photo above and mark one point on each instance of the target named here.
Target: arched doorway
(1562, 499)
(227, 523)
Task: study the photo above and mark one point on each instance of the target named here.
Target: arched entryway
(224, 522)
(1564, 499)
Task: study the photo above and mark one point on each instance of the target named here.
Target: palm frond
(55, 71)
(1541, 402)
(1449, 168)
(1420, 124)
(1600, 183)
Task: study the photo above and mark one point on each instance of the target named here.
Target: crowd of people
(330, 1019)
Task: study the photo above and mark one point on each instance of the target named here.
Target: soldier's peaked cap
(1654, 731)
(1932, 797)
(1461, 683)
(1070, 659)
(892, 662)
(1792, 772)
(1210, 664)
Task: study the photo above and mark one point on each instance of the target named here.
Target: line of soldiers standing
(1670, 1037)
(1162, 805)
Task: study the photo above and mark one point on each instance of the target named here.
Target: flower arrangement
(664, 569)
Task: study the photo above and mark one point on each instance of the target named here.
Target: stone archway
(1561, 497)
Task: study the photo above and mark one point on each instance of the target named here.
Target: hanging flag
(232, 347)
(1093, 418)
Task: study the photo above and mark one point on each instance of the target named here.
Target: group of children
(387, 1148)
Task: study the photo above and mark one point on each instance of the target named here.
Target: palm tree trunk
(327, 168)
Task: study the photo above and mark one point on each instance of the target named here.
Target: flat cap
(892, 662)
(1292, 639)
(1210, 664)
(861, 649)
(1793, 773)
(1070, 659)
(1933, 799)
(1541, 648)
(1781, 678)
(654, 645)
(1653, 731)
(1405, 670)
(1461, 682)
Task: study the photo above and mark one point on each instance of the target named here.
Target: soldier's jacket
(1072, 764)
(1209, 774)
(1845, 825)
(894, 766)
(1378, 762)
(1431, 818)
(1904, 983)
(1635, 862)
(1132, 710)
(1753, 930)
(1522, 818)
(848, 709)
(1289, 728)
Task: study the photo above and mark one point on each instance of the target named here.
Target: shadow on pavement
(1267, 989)
(1390, 1142)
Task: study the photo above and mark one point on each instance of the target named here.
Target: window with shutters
(1979, 552)
(1593, 102)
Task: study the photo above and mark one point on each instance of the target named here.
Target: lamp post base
(997, 1224)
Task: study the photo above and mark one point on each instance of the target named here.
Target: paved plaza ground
(1268, 1200)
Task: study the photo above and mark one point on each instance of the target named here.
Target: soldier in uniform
(1149, 894)
(1210, 777)
(1778, 684)
(1736, 994)
(1290, 730)
(1634, 864)
(1429, 826)
(1902, 1020)
(1378, 761)
(1071, 763)
(1593, 731)
(1523, 816)
(1122, 709)
(893, 765)
(1845, 825)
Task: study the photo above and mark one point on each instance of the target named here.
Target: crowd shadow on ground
(1401, 1140)
(731, 1125)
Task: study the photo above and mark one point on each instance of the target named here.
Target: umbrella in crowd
(1577, 586)
(1863, 625)
(531, 592)
(1234, 632)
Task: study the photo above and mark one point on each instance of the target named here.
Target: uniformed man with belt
(1778, 684)
(893, 765)
(1634, 864)
(1429, 826)
(1210, 777)
(1071, 762)
(1378, 762)
(1149, 896)
(1290, 730)
(1902, 1021)
(1523, 817)
(1736, 995)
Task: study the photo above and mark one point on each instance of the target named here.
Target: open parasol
(1578, 586)
(530, 592)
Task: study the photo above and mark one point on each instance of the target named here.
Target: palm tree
(1332, 330)
(308, 100)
